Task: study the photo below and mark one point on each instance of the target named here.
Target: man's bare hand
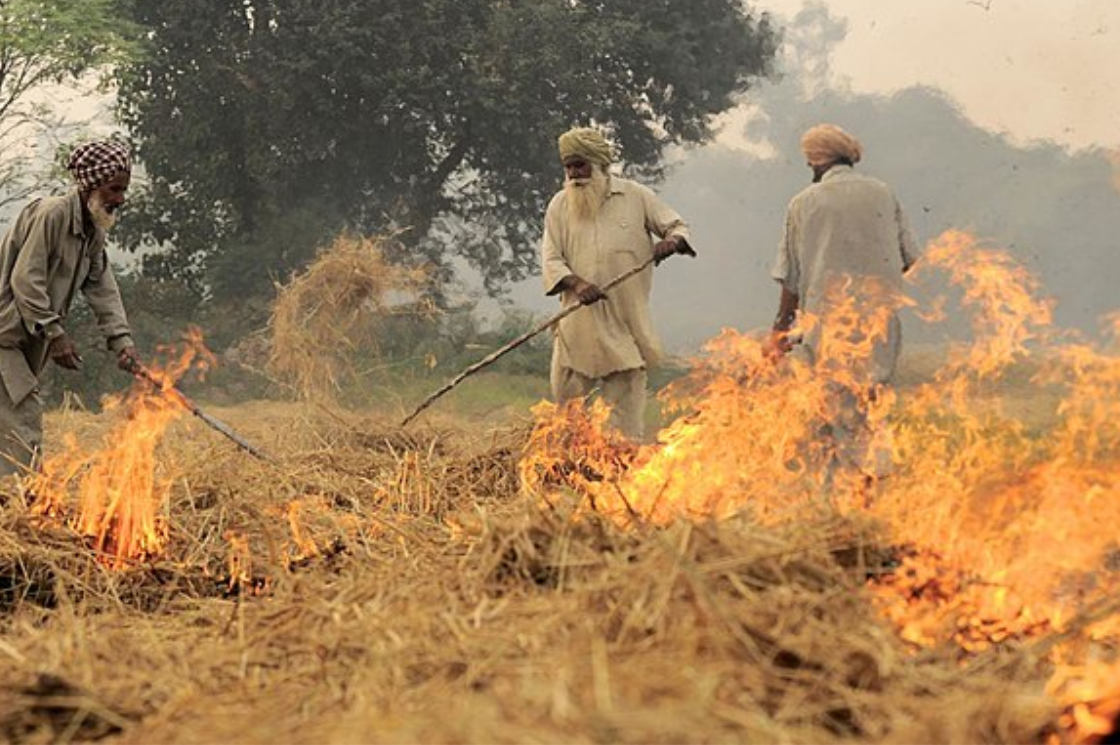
(63, 352)
(663, 249)
(587, 292)
(129, 361)
(777, 345)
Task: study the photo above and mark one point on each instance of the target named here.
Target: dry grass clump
(336, 307)
(372, 588)
(752, 634)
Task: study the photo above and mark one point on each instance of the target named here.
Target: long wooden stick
(168, 389)
(494, 356)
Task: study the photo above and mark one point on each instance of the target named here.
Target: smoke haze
(1057, 211)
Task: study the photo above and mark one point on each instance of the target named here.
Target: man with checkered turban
(840, 264)
(55, 247)
(595, 229)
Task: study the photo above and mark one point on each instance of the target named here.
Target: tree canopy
(267, 125)
(44, 43)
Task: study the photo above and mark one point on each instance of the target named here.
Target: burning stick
(168, 388)
(494, 356)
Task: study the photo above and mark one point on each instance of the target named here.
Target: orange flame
(754, 435)
(317, 530)
(240, 559)
(120, 489)
(1002, 509)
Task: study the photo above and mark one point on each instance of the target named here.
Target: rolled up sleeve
(786, 269)
(908, 245)
(662, 220)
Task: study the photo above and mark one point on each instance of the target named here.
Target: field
(504, 570)
(375, 584)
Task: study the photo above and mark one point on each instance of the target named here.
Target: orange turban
(827, 143)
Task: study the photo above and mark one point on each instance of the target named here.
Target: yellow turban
(587, 143)
(827, 143)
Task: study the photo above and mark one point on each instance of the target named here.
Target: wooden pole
(494, 356)
(168, 389)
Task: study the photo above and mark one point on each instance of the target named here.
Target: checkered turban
(95, 163)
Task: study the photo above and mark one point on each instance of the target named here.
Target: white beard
(586, 196)
(101, 215)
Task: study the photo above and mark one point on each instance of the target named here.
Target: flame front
(115, 496)
(1002, 511)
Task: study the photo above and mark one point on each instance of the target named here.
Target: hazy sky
(996, 118)
(1034, 69)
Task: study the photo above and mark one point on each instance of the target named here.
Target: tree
(47, 43)
(265, 125)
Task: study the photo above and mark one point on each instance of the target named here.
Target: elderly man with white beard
(596, 228)
(55, 247)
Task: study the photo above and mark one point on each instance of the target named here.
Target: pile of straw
(334, 310)
(375, 586)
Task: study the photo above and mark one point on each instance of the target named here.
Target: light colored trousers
(856, 444)
(21, 432)
(624, 391)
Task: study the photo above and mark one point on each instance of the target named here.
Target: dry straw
(375, 587)
(335, 310)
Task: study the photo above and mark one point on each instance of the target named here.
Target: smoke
(1057, 211)
(1113, 157)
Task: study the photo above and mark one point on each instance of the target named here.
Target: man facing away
(596, 228)
(846, 242)
(55, 247)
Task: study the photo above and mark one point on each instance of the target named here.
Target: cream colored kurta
(847, 226)
(617, 333)
(45, 258)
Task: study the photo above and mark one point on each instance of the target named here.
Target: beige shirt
(847, 226)
(45, 258)
(617, 333)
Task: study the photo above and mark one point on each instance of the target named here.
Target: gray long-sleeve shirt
(46, 257)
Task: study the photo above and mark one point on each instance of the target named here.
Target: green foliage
(52, 40)
(419, 356)
(44, 43)
(160, 313)
(438, 115)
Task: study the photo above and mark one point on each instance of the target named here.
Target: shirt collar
(77, 216)
(836, 170)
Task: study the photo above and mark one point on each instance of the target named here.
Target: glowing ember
(572, 447)
(1002, 511)
(317, 530)
(119, 490)
(305, 545)
(240, 561)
